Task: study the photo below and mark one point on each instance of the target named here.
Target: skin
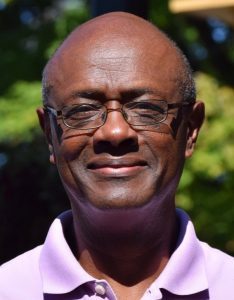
(121, 181)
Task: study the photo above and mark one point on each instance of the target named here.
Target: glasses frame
(59, 113)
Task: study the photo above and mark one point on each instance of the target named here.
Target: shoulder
(202, 263)
(217, 261)
(20, 277)
(220, 272)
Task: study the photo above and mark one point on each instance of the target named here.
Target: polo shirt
(51, 271)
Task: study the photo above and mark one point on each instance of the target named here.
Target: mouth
(116, 167)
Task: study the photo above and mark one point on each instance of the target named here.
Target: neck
(128, 248)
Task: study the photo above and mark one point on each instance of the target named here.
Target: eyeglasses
(136, 113)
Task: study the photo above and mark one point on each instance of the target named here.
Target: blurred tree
(30, 192)
(136, 7)
(206, 188)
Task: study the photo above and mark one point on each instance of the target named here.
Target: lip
(116, 167)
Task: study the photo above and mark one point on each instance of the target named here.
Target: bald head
(118, 35)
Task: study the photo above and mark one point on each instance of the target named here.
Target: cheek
(71, 149)
(166, 151)
(69, 143)
(68, 150)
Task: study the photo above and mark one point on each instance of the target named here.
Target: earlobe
(194, 122)
(45, 126)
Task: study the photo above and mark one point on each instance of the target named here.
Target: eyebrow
(128, 94)
(134, 93)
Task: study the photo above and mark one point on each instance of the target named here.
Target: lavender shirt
(51, 271)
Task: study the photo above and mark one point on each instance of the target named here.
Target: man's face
(117, 166)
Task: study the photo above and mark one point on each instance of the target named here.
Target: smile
(117, 167)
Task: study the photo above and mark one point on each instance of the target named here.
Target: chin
(119, 199)
(116, 193)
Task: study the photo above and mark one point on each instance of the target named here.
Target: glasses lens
(150, 112)
(84, 116)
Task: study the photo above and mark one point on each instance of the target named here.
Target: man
(120, 116)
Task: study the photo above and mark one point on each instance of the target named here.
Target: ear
(194, 123)
(44, 121)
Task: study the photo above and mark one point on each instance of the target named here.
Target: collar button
(99, 289)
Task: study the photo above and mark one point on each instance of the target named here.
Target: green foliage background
(31, 194)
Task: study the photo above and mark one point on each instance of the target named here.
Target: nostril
(130, 144)
(122, 148)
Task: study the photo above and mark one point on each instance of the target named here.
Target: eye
(81, 111)
(147, 107)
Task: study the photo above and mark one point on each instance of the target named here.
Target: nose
(115, 133)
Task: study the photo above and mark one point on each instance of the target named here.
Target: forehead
(115, 61)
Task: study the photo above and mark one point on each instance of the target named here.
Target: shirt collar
(60, 270)
(185, 272)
